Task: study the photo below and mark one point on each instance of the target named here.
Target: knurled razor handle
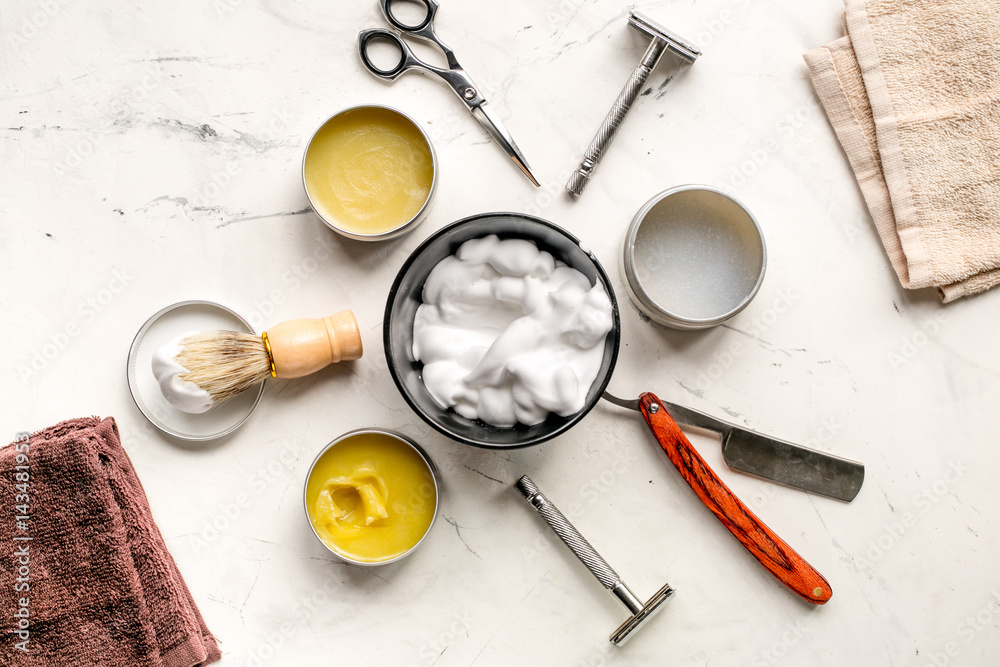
(561, 526)
(578, 181)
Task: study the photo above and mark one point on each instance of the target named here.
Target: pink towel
(85, 576)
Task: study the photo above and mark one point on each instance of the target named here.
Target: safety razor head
(637, 620)
(598, 567)
(682, 47)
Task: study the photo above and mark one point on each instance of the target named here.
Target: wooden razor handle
(772, 552)
(301, 347)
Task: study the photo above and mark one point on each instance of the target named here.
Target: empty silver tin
(694, 256)
(163, 327)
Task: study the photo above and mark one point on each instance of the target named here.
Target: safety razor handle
(763, 544)
(609, 128)
(570, 536)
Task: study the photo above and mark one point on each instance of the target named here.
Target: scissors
(454, 76)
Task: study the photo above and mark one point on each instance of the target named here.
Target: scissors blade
(488, 119)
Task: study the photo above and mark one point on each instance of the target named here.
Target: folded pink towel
(85, 575)
(913, 93)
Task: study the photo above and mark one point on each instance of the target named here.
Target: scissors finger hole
(382, 54)
(409, 14)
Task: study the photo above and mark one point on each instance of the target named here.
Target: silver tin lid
(163, 327)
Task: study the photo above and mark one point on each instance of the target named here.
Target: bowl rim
(645, 301)
(402, 228)
(401, 438)
(394, 369)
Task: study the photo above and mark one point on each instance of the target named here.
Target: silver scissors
(454, 76)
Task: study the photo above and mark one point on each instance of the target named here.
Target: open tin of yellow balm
(370, 172)
(371, 496)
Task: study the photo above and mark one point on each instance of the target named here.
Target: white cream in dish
(184, 395)
(507, 334)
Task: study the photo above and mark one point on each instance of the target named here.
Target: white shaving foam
(507, 334)
(184, 395)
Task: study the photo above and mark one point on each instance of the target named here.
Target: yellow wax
(368, 170)
(371, 497)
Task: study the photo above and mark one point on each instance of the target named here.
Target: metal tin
(164, 326)
(401, 438)
(694, 256)
(405, 227)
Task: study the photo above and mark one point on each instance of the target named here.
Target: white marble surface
(150, 153)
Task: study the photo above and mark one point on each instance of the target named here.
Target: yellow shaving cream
(371, 497)
(368, 170)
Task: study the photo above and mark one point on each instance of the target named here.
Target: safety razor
(599, 567)
(662, 40)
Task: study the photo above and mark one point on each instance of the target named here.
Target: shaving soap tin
(370, 172)
(166, 325)
(694, 257)
(394, 467)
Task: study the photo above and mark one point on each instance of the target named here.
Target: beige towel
(913, 93)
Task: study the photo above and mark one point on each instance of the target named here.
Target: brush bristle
(224, 363)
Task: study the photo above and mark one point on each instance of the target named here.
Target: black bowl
(405, 297)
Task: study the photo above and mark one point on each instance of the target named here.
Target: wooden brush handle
(772, 552)
(301, 347)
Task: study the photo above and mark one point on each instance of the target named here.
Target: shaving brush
(200, 370)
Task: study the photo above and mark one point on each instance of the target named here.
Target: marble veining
(152, 153)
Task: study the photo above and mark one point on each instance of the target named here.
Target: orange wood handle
(773, 553)
(301, 347)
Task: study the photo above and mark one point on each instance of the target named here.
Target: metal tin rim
(392, 434)
(407, 226)
(134, 390)
(645, 302)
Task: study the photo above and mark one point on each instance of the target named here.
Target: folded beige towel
(913, 93)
